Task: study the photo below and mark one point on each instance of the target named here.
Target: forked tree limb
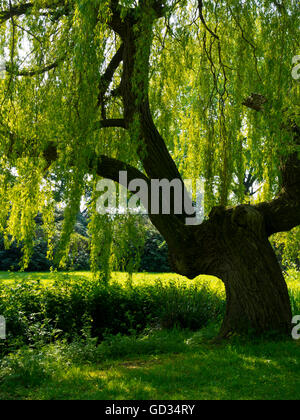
(200, 8)
(168, 225)
(33, 72)
(107, 77)
(283, 213)
(110, 168)
(22, 9)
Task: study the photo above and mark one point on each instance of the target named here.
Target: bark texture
(233, 246)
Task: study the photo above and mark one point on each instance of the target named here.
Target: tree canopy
(216, 75)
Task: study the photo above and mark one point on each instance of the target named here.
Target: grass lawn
(160, 364)
(191, 370)
(121, 278)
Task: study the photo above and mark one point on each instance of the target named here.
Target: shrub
(72, 308)
(38, 313)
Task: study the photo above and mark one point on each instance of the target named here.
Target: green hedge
(67, 309)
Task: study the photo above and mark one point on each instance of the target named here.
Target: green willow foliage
(200, 81)
(203, 66)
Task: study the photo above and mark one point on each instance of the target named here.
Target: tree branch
(15, 11)
(117, 22)
(36, 72)
(106, 167)
(159, 8)
(110, 168)
(111, 123)
(283, 213)
(107, 77)
(200, 7)
(22, 9)
(154, 154)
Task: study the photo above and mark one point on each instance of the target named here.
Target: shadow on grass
(196, 370)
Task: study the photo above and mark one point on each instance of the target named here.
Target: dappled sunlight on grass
(116, 277)
(213, 283)
(156, 364)
(138, 279)
(262, 370)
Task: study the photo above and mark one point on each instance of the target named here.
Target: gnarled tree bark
(233, 244)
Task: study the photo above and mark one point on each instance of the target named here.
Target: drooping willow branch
(111, 123)
(12, 53)
(22, 9)
(283, 213)
(200, 7)
(33, 72)
(107, 78)
(253, 47)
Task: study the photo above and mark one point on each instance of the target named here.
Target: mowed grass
(215, 284)
(119, 278)
(190, 368)
(158, 364)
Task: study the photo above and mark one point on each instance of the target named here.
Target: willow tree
(162, 89)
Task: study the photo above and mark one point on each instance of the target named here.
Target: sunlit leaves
(202, 68)
(200, 79)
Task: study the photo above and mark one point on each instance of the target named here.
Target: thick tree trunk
(234, 247)
(256, 292)
(233, 244)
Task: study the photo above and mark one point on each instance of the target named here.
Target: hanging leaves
(218, 77)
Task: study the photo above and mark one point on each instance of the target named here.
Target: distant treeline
(154, 257)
